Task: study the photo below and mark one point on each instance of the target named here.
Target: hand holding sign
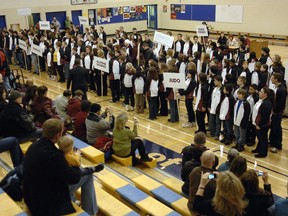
(174, 80)
(202, 31)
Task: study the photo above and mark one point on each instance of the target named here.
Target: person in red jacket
(74, 104)
(79, 122)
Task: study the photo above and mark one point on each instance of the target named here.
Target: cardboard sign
(44, 25)
(101, 64)
(23, 45)
(24, 12)
(83, 21)
(36, 50)
(174, 80)
(163, 39)
(201, 31)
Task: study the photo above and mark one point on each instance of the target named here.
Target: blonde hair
(66, 144)
(228, 199)
(121, 121)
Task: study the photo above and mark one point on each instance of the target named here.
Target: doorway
(2, 22)
(152, 17)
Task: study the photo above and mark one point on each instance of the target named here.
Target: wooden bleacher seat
(174, 184)
(8, 206)
(89, 151)
(162, 193)
(125, 161)
(135, 197)
(24, 146)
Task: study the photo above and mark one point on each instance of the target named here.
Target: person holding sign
(152, 92)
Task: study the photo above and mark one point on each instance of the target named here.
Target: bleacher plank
(127, 161)
(89, 151)
(79, 211)
(8, 206)
(111, 206)
(24, 146)
(134, 196)
(174, 184)
(162, 193)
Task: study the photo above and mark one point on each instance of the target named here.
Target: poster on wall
(126, 15)
(120, 10)
(77, 2)
(182, 8)
(126, 9)
(115, 11)
(173, 13)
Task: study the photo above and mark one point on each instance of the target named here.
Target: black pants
(59, 69)
(200, 117)
(275, 137)
(163, 104)
(262, 136)
(152, 107)
(42, 63)
(251, 133)
(129, 95)
(115, 90)
(92, 77)
(138, 144)
(99, 84)
(189, 107)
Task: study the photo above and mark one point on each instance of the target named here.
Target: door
(2, 22)
(75, 17)
(60, 16)
(36, 18)
(152, 17)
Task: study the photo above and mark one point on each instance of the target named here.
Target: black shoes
(260, 156)
(98, 168)
(146, 159)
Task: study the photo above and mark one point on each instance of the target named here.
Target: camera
(212, 176)
(259, 173)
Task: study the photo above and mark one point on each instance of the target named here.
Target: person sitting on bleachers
(232, 153)
(61, 103)
(48, 180)
(96, 125)
(3, 98)
(126, 142)
(259, 199)
(207, 163)
(15, 122)
(74, 104)
(79, 122)
(42, 107)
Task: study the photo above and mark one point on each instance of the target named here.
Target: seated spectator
(48, 180)
(42, 107)
(232, 153)
(74, 104)
(3, 101)
(281, 206)
(79, 122)
(207, 163)
(30, 94)
(238, 166)
(126, 142)
(194, 150)
(228, 199)
(259, 200)
(96, 125)
(61, 104)
(11, 144)
(15, 122)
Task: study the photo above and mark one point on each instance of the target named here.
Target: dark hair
(202, 77)
(238, 166)
(265, 66)
(242, 92)
(2, 90)
(67, 93)
(153, 75)
(41, 91)
(85, 105)
(254, 86)
(278, 77)
(196, 54)
(228, 87)
(218, 78)
(250, 182)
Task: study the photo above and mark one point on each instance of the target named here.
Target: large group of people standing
(238, 95)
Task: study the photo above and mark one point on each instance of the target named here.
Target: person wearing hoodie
(74, 104)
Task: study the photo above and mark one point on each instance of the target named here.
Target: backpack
(12, 183)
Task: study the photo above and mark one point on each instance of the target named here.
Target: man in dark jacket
(15, 122)
(48, 180)
(79, 77)
(277, 112)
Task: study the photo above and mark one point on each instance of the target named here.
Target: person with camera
(228, 199)
(126, 142)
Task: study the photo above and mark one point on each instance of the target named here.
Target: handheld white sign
(44, 25)
(201, 31)
(101, 64)
(23, 45)
(163, 39)
(221, 150)
(83, 21)
(24, 12)
(36, 50)
(174, 80)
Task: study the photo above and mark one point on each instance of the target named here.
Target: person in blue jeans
(11, 144)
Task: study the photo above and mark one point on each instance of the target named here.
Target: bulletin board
(212, 13)
(121, 14)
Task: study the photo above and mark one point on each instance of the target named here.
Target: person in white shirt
(139, 84)
(128, 84)
(152, 92)
(114, 77)
(61, 103)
